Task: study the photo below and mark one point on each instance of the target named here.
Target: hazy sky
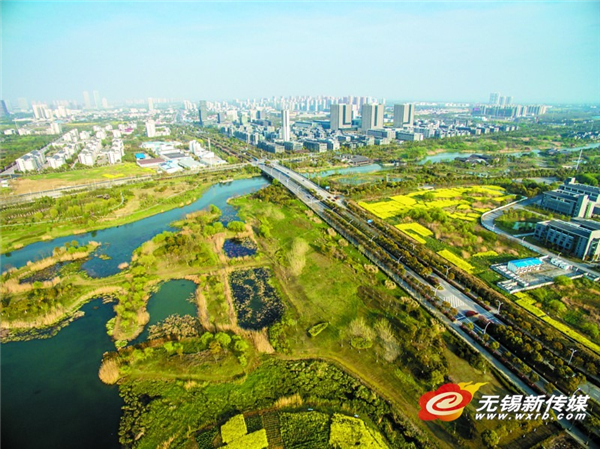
(420, 51)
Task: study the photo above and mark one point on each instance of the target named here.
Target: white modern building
(404, 115)
(372, 117)
(340, 116)
(285, 125)
(150, 128)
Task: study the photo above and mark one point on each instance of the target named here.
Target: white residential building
(56, 161)
(150, 128)
(87, 157)
(26, 163)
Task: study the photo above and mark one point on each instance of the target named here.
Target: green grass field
(103, 173)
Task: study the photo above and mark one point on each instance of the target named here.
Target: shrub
(109, 371)
(317, 329)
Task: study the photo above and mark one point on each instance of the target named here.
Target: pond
(47, 274)
(119, 242)
(51, 394)
(175, 297)
(256, 302)
(239, 247)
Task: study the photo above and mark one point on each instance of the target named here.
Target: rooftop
(529, 262)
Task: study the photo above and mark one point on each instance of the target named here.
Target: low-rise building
(314, 146)
(579, 237)
(525, 265)
(573, 199)
(149, 162)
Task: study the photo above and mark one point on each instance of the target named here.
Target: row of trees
(423, 260)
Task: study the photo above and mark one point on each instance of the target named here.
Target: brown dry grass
(202, 309)
(167, 443)
(260, 340)
(12, 286)
(109, 371)
(294, 400)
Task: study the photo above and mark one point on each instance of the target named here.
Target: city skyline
(538, 52)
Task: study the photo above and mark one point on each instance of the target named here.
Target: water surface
(119, 242)
(51, 394)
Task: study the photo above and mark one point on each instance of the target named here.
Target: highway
(302, 187)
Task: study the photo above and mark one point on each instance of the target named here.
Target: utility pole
(573, 351)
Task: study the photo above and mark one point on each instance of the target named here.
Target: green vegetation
(348, 432)
(15, 146)
(233, 429)
(42, 294)
(49, 218)
(317, 329)
(304, 430)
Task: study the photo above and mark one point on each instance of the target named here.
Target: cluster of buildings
(169, 158)
(580, 236)
(533, 272)
(37, 159)
(501, 106)
(343, 128)
(153, 131)
(94, 153)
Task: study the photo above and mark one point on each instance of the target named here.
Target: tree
(490, 438)
(236, 226)
(223, 339)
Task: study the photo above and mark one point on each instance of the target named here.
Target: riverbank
(320, 278)
(141, 201)
(42, 297)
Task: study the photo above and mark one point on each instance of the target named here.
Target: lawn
(48, 181)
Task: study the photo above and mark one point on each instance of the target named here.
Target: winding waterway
(119, 242)
(51, 394)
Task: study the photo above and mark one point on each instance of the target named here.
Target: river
(119, 242)
(51, 394)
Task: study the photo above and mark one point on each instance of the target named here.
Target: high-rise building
(494, 97)
(202, 113)
(285, 125)
(97, 103)
(104, 103)
(404, 114)
(38, 111)
(340, 116)
(150, 128)
(23, 104)
(86, 100)
(502, 100)
(4, 109)
(150, 104)
(372, 116)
